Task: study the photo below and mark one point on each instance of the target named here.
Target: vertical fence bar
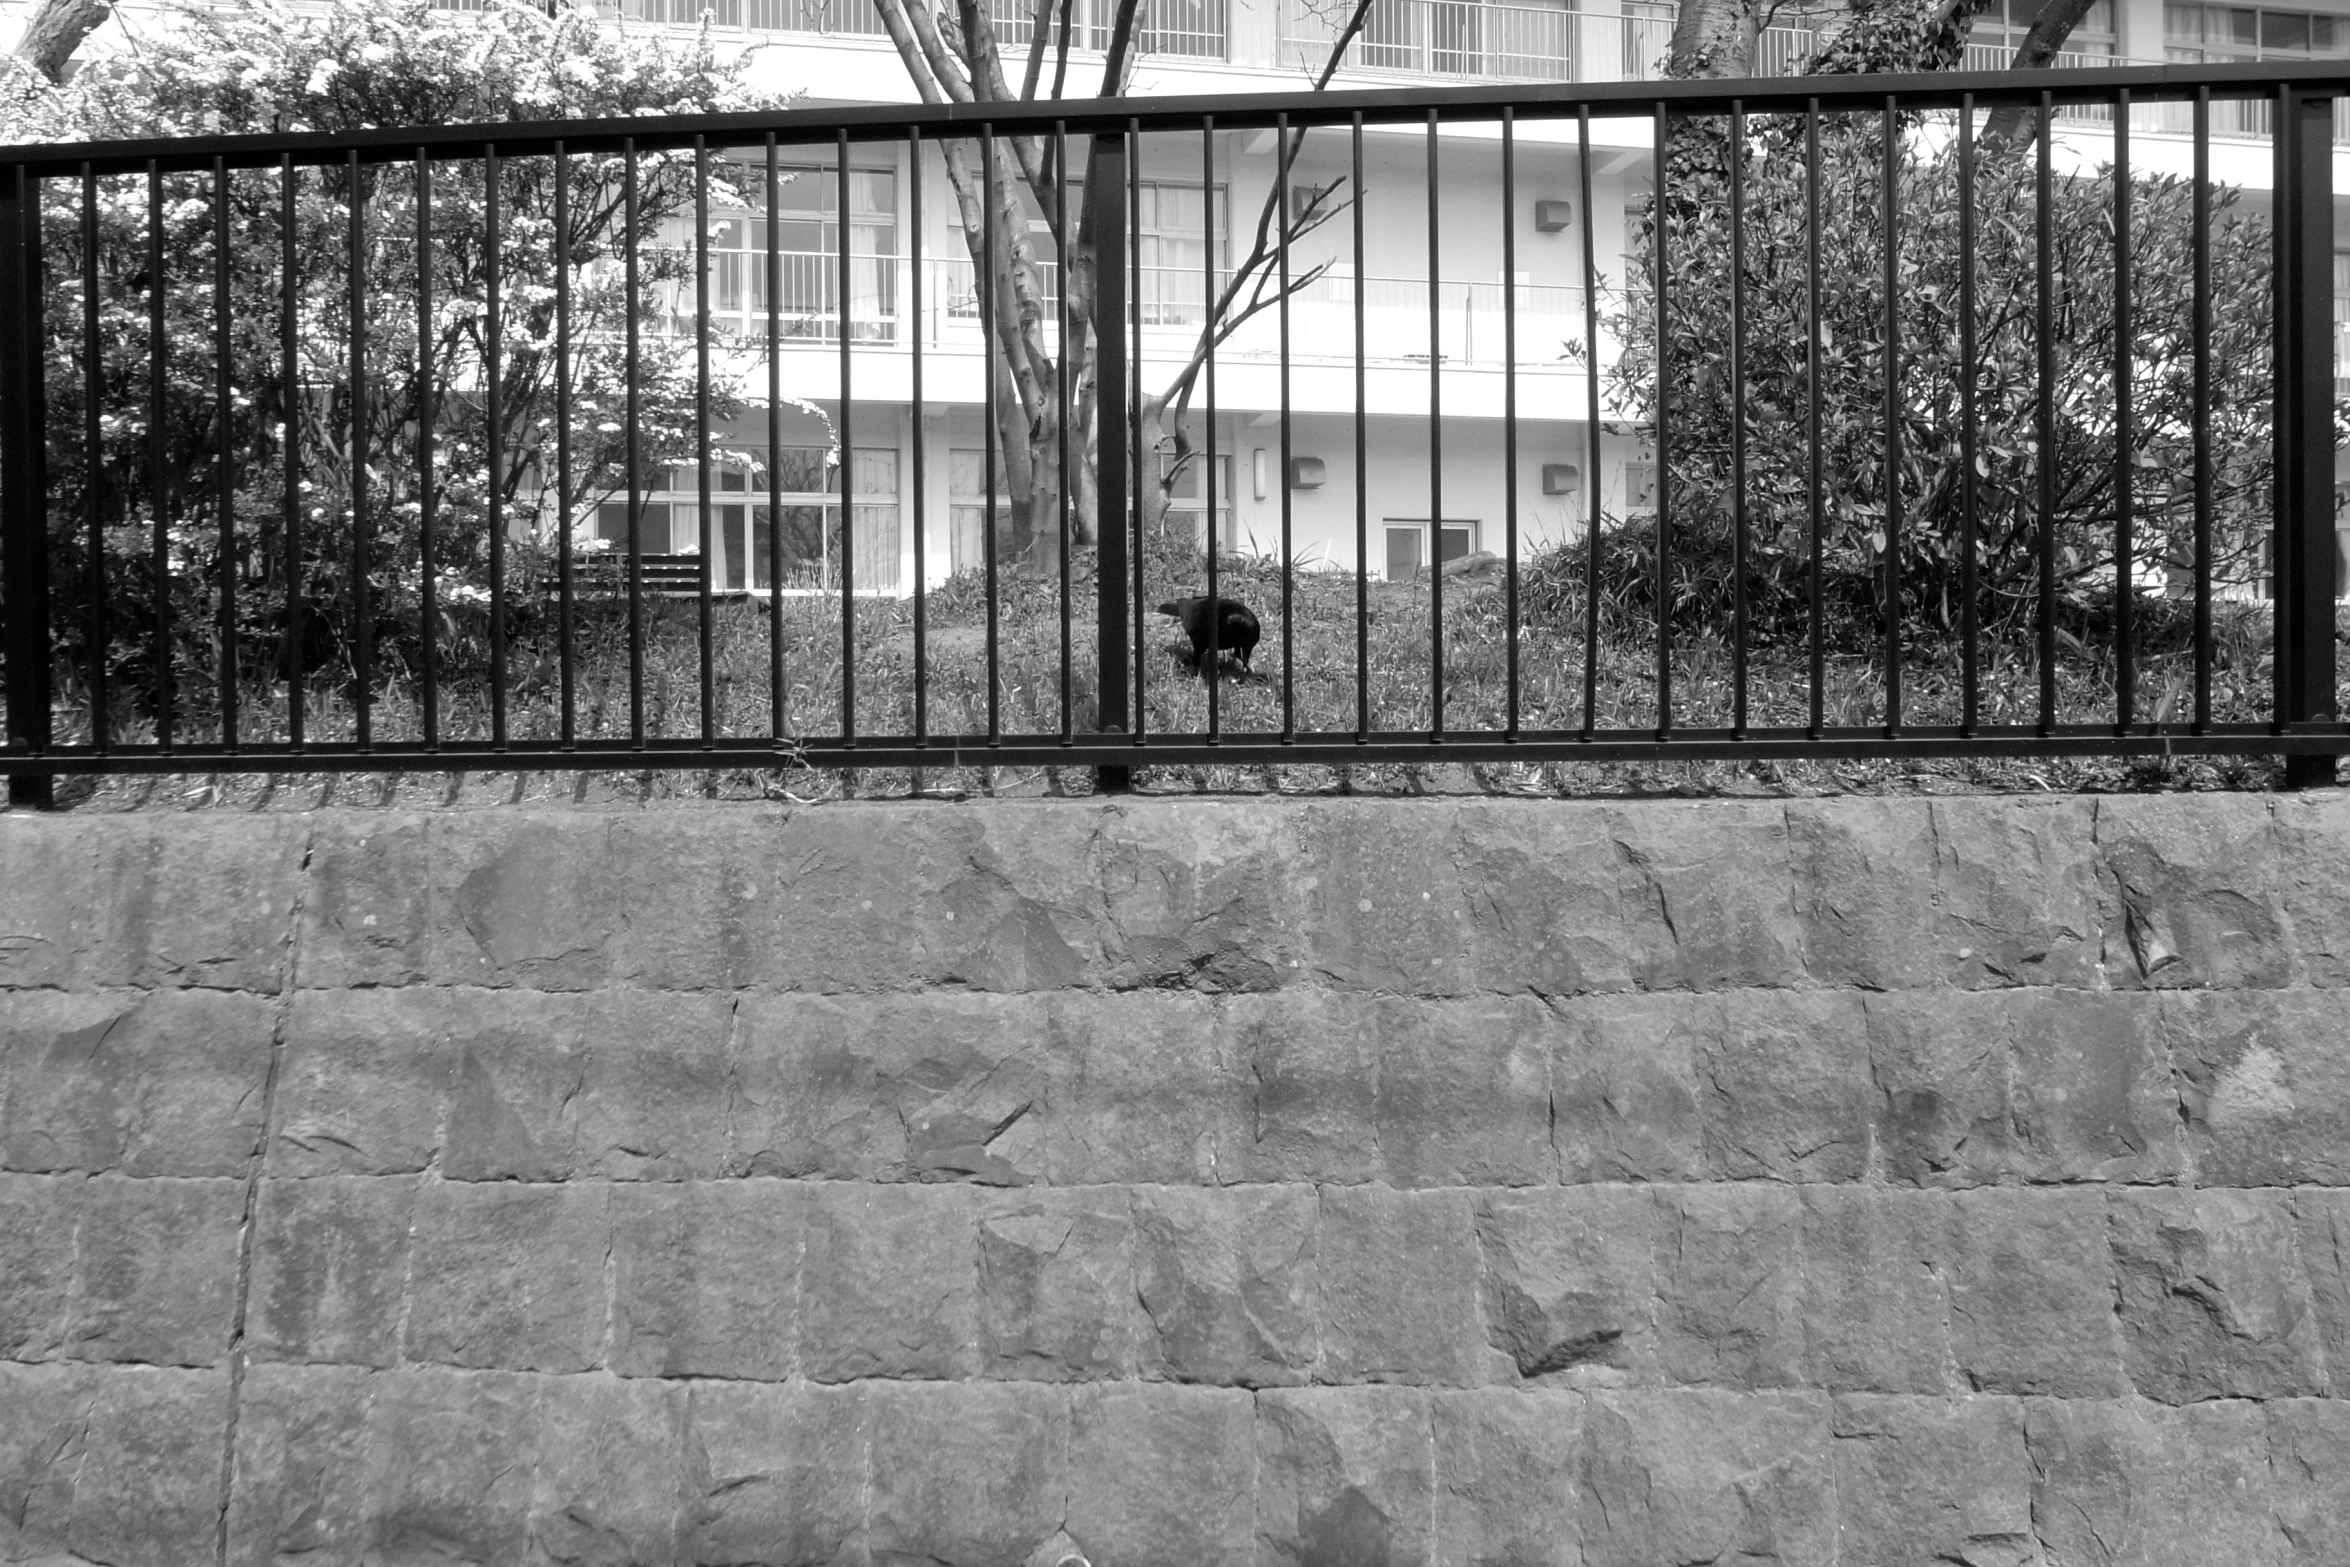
(1211, 661)
(2306, 548)
(1063, 251)
(2044, 447)
(1738, 418)
(24, 483)
(987, 351)
(705, 536)
(224, 460)
(1105, 219)
(362, 600)
(1509, 413)
(493, 371)
(1362, 463)
(158, 451)
(848, 462)
(778, 713)
(1969, 373)
(289, 355)
(427, 411)
(1131, 196)
(2201, 239)
(2125, 587)
(568, 734)
(1591, 427)
(1435, 450)
(1288, 567)
(1664, 451)
(1892, 200)
(919, 476)
(1814, 351)
(95, 632)
(633, 375)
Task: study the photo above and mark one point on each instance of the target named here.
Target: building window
(808, 511)
(2210, 34)
(1174, 246)
(1639, 487)
(807, 240)
(967, 507)
(1187, 503)
(1407, 544)
(2000, 28)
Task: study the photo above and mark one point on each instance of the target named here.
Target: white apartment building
(835, 50)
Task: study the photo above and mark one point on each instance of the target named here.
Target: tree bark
(56, 30)
(1714, 38)
(2012, 127)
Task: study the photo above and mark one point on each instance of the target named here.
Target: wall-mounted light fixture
(1552, 216)
(1256, 472)
(1561, 478)
(1306, 473)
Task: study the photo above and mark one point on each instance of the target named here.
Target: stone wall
(1352, 1184)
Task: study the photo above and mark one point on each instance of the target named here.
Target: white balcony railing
(1192, 29)
(1469, 40)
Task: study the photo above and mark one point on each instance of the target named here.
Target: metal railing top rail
(1377, 107)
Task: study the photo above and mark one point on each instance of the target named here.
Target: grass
(1323, 674)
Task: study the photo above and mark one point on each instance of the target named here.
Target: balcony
(1187, 29)
(1466, 40)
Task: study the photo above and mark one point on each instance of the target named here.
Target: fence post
(24, 545)
(1105, 225)
(2305, 547)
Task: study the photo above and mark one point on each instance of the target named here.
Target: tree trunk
(1713, 38)
(2012, 127)
(56, 30)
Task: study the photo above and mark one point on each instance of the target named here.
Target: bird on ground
(1233, 624)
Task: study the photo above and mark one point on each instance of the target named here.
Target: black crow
(1235, 627)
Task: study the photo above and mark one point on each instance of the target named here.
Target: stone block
(1933, 1480)
(517, 1084)
(1624, 1087)
(1057, 1296)
(1144, 1087)
(890, 1282)
(2190, 893)
(39, 1217)
(971, 1473)
(1226, 1280)
(1545, 915)
(46, 918)
(610, 1483)
(1730, 1287)
(898, 897)
(509, 1277)
(2093, 1095)
(2322, 1220)
(158, 1271)
(366, 917)
(330, 1269)
(2213, 1301)
(1384, 905)
(2313, 863)
(1462, 1092)
(1945, 1113)
(1705, 1475)
(1784, 1090)
(1506, 1468)
(1345, 1476)
(1874, 1309)
(1313, 1059)
(1568, 1281)
(188, 900)
(2127, 1481)
(298, 1487)
(777, 1473)
(364, 1082)
(1162, 1476)
(2032, 1294)
(706, 1279)
(145, 1083)
(1398, 1286)
(1707, 891)
(659, 1062)
(2264, 1083)
(2016, 884)
(44, 1436)
(148, 1490)
(2309, 1464)
(1196, 896)
(945, 1087)
(1865, 892)
(450, 1459)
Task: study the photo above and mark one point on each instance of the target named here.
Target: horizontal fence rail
(1840, 417)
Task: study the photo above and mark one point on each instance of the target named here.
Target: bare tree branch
(912, 54)
(56, 30)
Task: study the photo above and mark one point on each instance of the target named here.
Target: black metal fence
(1945, 429)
